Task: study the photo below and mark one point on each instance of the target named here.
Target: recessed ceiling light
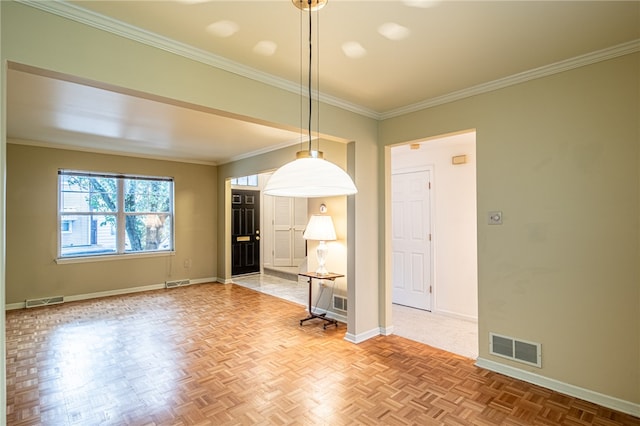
(265, 47)
(223, 28)
(353, 49)
(423, 4)
(393, 31)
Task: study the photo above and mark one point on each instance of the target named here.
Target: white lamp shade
(308, 178)
(320, 228)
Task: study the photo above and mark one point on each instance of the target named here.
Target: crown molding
(544, 71)
(78, 14)
(92, 19)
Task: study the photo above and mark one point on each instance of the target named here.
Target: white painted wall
(454, 219)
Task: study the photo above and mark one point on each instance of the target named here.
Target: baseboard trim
(87, 296)
(359, 338)
(565, 388)
(330, 314)
(386, 331)
(12, 306)
(455, 315)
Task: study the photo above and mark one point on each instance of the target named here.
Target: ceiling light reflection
(422, 4)
(223, 28)
(353, 49)
(265, 48)
(393, 31)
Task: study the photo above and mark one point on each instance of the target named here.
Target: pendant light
(309, 175)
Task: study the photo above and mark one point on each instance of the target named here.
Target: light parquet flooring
(214, 354)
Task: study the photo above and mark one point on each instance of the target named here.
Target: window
(65, 226)
(251, 180)
(106, 214)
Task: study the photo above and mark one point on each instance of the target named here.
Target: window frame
(120, 215)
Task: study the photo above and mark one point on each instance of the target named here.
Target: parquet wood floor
(216, 354)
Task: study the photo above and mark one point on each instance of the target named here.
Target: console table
(310, 276)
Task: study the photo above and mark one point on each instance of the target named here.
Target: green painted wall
(560, 157)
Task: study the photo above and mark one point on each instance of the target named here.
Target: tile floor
(443, 332)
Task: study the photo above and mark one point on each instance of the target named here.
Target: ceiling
(378, 58)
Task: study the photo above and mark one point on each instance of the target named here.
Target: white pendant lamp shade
(309, 177)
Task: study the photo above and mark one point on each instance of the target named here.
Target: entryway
(245, 231)
(266, 231)
(434, 241)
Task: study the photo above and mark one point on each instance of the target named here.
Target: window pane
(147, 196)
(96, 209)
(88, 235)
(148, 232)
(88, 194)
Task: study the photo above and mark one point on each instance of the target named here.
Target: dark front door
(245, 231)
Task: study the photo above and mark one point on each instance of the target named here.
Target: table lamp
(320, 228)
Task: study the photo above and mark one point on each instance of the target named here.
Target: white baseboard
(361, 337)
(565, 388)
(455, 315)
(12, 306)
(86, 296)
(204, 280)
(330, 314)
(386, 331)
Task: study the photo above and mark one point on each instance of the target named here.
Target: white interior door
(289, 221)
(411, 228)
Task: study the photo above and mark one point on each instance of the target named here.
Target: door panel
(282, 231)
(289, 221)
(411, 233)
(245, 232)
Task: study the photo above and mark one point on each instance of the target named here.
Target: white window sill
(108, 257)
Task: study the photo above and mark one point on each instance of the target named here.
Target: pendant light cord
(309, 80)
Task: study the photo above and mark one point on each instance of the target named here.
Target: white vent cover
(32, 303)
(340, 303)
(177, 283)
(516, 349)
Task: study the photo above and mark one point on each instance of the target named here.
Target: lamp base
(321, 254)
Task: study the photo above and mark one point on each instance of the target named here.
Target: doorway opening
(266, 231)
(434, 242)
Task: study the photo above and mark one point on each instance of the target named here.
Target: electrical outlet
(187, 263)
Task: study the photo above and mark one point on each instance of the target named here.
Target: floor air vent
(517, 350)
(177, 283)
(33, 303)
(340, 303)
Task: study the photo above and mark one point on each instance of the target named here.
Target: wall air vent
(33, 303)
(177, 283)
(515, 349)
(340, 303)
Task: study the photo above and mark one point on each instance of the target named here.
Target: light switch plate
(495, 218)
